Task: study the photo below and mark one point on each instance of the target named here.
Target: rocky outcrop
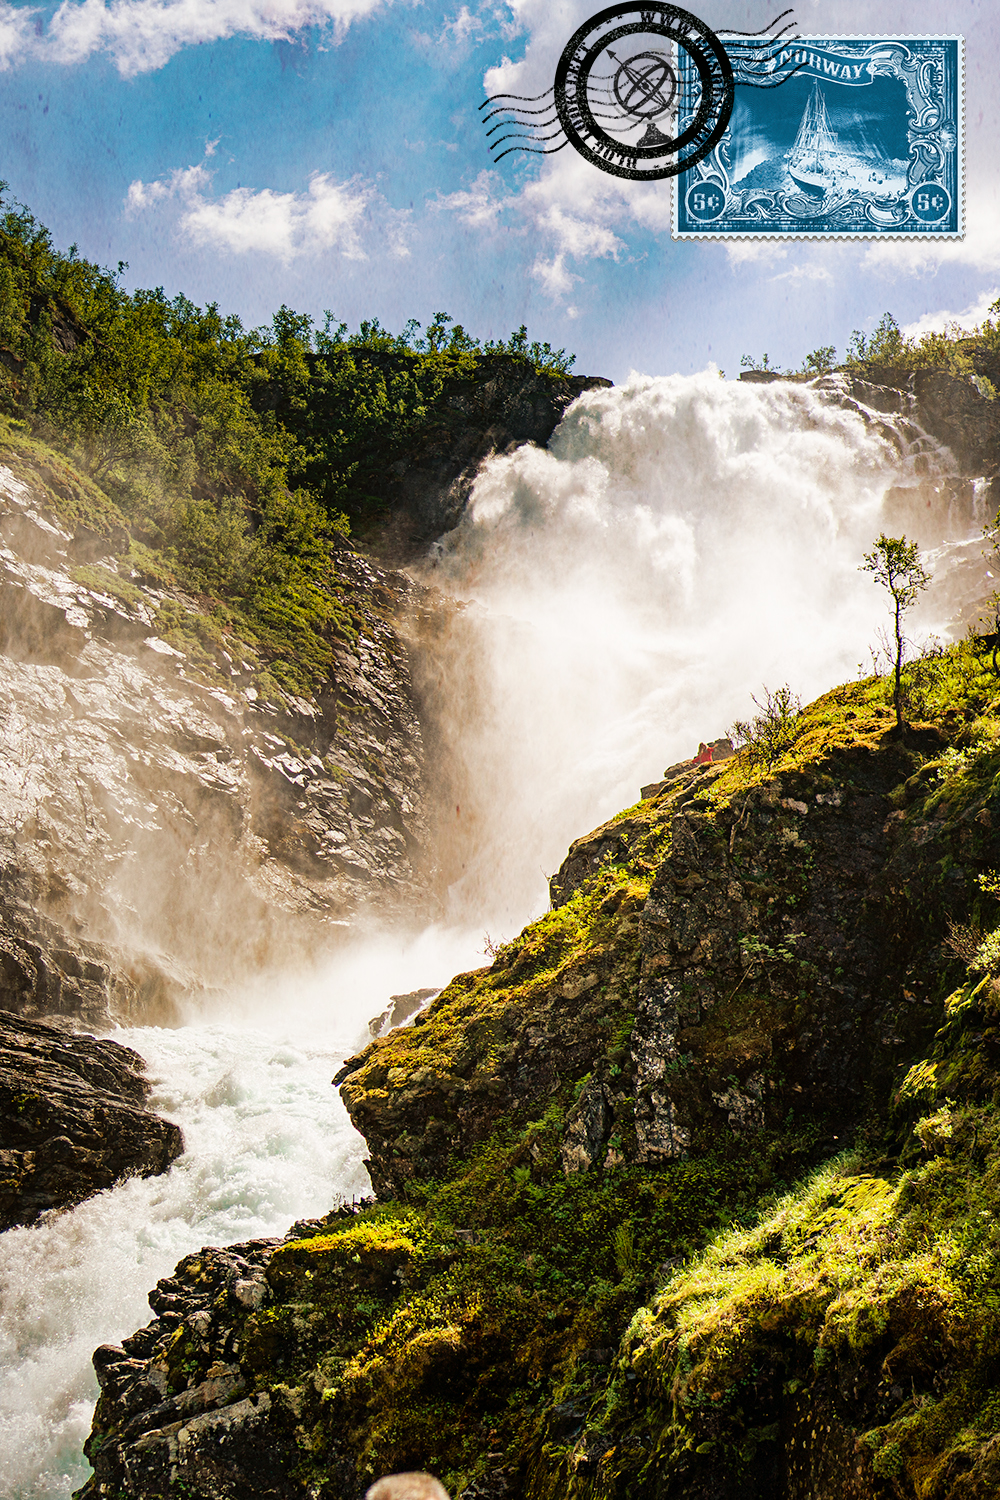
(204, 1437)
(753, 969)
(165, 810)
(506, 403)
(736, 971)
(73, 1119)
(958, 411)
(946, 430)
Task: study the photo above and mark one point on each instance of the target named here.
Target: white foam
(268, 1142)
(684, 541)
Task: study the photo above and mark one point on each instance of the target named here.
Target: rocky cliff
(169, 818)
(738, 976)
(72, 1119)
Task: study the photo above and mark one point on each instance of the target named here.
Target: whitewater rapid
(682, 542)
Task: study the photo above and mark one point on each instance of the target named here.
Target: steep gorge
(719, 998)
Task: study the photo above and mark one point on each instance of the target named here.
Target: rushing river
(683, 541)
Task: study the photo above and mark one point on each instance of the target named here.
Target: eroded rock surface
(202, 1437)
(749, 977)
(73, 1119)
(164, 825)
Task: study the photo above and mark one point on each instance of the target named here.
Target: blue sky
(329, 154)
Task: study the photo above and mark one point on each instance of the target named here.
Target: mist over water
(683, 541)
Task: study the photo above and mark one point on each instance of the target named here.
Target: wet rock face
(159, 821)
(756, 981)
(73, 1119)
(953, 409)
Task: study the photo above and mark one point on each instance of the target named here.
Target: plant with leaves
(886, 346)
(821, 361)
(763, 740)
(895, 564)
(747, 362)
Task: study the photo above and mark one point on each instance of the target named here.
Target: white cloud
(456, 38)
(582, 238)
(142, 35)
(572, 210)
(553, 275)
(806, 270)
(937, 322)
(328, 216)
(463, 29)
(743, 252)
(479, 206)
(17, 31)
(183, 182)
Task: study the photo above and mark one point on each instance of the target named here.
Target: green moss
(73, 499)
(437, 1327)
(103, 581)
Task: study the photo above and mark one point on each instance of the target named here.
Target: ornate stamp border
(830, 196)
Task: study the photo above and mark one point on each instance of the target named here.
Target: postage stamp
(864, 141)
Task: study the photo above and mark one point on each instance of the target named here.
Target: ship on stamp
(863, 141)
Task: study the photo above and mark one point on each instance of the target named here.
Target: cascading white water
(267, 1141)
(683, 541)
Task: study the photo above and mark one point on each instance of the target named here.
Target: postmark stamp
(642, 90)
(864, 140)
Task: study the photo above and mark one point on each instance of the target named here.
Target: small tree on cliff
(895, 564)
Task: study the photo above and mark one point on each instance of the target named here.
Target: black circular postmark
(639, 109)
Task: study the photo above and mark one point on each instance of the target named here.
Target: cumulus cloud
(806, 270)
(573, 212)
(937, 322)
(142, 35)
(285, 225)
(743, 252)
(464, 26)
(553, 276)
(480, 205)
(183, 182)
(17, 30)
(329, 216)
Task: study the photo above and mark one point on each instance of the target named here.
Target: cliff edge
(689, 1194)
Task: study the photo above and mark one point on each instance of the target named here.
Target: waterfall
(682, 541)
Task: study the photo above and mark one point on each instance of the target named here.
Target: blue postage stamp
(863, 141)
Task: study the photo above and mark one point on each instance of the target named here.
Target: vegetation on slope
(223, 462)
(957, 350)
(820, 1268)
